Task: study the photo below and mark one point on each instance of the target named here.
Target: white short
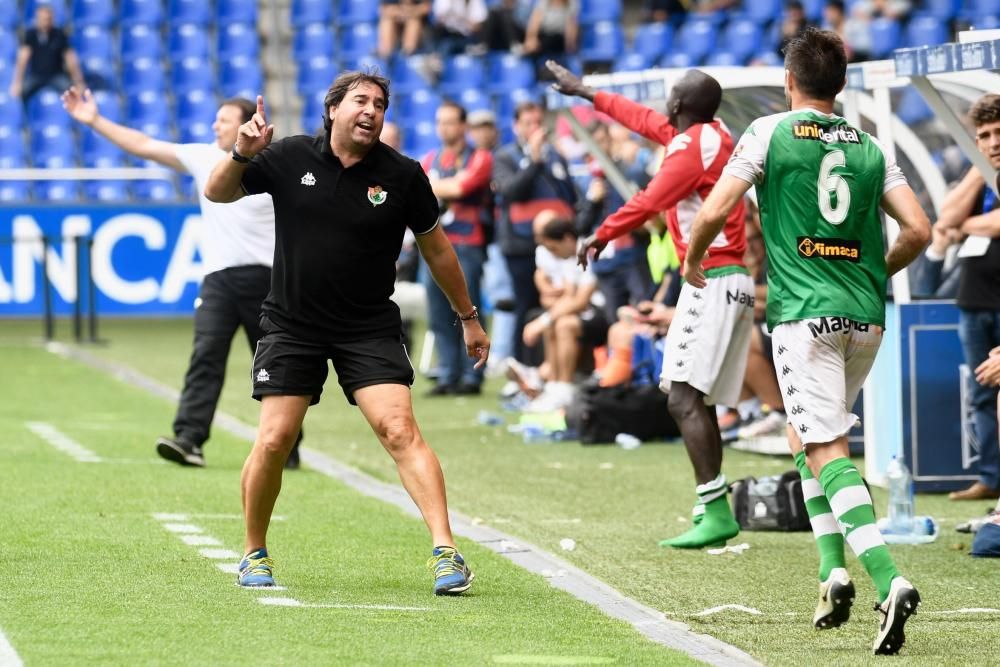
(709, 337)
(822, 363)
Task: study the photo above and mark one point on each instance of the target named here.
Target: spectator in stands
(975, 205)
(890, 9)
(237, 250)
(793, 23)
(44, 59)
(935, 274)
(712, 6)
(458, 25)
(483, 130)
(504, 28)
(659, 11)
(460, 178)
(401, 22)
(529, 176)
(392, 136)
(553, 29)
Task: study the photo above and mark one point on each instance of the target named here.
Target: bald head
(542, 220)
(695, 98)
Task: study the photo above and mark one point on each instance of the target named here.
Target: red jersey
(463, 218)
(691, 167)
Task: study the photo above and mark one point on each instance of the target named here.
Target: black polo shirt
(47, 51)
(338, 233)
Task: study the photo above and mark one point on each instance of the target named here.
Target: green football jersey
(819, 183)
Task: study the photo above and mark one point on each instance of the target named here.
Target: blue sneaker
(256, 569)
(451, 575)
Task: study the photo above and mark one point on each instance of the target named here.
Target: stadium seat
(52, 145)
(368, 62)
(192, 74)
(592, 11)
(814, 9)
(601, 42)
(198, 12)
(942, 10)
(407, 74)
(106, 191)
(631, 62)
(419, 106)
(236, 11)
(60, 15)
(742, 39)
(140, 41)
(11, 109)
(9, 19)
(147, 108)
(315, 39)
(100, 73)
(154, 190)
(315, 73)
(241, 77)
(57, 191)
(312, 111)
(12, 192)
(925, 31)
(93, 41)
(11, 141)
(508, 71)
(358, 40)
(93, 12)
(98, 151)
(304, 12)
(143, 74)
(885, 37)
(237, 40)
(473, 99)
(697, 38)
(419, 139)
(8, 46)
(45, 108)
(357, 11)
(911, 108)
(459, 73)
(986, 22)
(188, 41)
(508, 102)
(145, 12)
(196, 106)
(197, 133)
(653, 39)
(678, 59)
(978, 9)
(109, 104)
(762, 11)
(724, 59)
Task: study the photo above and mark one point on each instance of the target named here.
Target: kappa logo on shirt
(308, 179)
(376, 195)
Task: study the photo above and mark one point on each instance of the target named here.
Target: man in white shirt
(237, 250)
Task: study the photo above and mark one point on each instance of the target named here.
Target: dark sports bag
(601, 413)
(770, 503)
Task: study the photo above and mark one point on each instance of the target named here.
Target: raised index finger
(260, 106)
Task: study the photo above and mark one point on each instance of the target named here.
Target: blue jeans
(980, 333)
(454, 364)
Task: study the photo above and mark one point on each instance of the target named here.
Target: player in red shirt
(707, 343)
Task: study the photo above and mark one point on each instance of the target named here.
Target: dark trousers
(522, 275)
(980, 333)
(228, 299)
(628, 284)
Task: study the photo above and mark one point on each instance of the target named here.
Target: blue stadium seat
(197, 133)
(407, 75)
(93, 12)
(9, 18)
(678, 59)
(154, 190)
(762, 11)
(305, 12)
(236, 11)
(57, 191)
(52, 145)
(315, 39)
(978, 9)
(191, 11)
(367, 63)
(473, 99)
(653, 39)
(911, 108)
(109, 104)
(357, 40)
(315, 73)
(196, 106)
(357, 11)
(987, 22)
(108, 192)
(461, 72)
(147, 108)
(943, 10)
(925, 31)
(12, 192)
(312, 111)
(724, 59)
(697, 38)
(8, 46)
(60, 15)
(241, 77)
(93, 41)
(742, 39)
(631, 62)
(140, 41)
(236, 40)
(100, 73)
(98, 151)
(420, 139)
(188, 41)
(601, 42)
(814, 9)
(592, 11)
(508, 71)
(11, 141)
(508, 102)
(885, 37)
(192, 74)
(45, 108)
(146, 12)
(420, 105)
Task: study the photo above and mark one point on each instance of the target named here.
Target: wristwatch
(239, 158)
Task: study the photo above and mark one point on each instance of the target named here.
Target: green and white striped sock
(852, 505)
(829, 539)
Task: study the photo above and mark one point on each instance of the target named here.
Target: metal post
(91, 292)
(77, 302)
(46, 291)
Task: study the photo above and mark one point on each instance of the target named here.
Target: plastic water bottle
(487, 418)
(627, 441)
(900, 496)
(534, 435)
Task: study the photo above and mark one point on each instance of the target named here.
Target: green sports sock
(717, 523)
(852, 505)
(829, 539)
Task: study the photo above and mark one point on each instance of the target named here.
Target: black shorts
(284, 365)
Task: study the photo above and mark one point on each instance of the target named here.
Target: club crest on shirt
(376, 195)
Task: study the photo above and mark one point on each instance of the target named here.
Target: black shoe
(468, 389)
(180, 451)
(293, 462)
(441, 390)
(902, 603)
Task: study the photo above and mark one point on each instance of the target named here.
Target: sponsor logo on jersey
(817, 247)
(825, 325)
(810, 130)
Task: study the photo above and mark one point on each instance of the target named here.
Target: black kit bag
(770, 503)
(601, 413)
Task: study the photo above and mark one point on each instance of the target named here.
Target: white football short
(822, 364)
(709, 338)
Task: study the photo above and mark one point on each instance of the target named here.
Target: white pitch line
(166, 516)
(169, 516)
(290, 602)
(280, 602)
(8, 656)
(734, 607)
(183, 528)
(201, 541)
(229, 568)
(63, 442)
(219, 554)
(969, 610)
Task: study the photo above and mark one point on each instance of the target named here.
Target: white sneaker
(772, 423)
(554, 397)
(527, 377)
(836, 595)
(902, 603)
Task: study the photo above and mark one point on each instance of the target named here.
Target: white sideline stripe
(648, 621)
(63, 442)
(811, 489)
(848, 498)
(291, 602)
(280, 602)
(515, 659)
(183, 528)
(229, 568)
(201, 541)
(824, 524)
(165, 516)
(734, 607)
(219, 554)
(964, 610)
(864, 538)
(8, 656)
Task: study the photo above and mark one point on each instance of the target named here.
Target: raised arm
(223, 184)
(914, 227)
(80, 105)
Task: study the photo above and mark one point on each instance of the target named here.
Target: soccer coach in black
(342, 201)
